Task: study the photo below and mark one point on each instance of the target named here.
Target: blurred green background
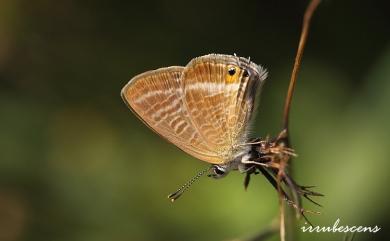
(75, 164)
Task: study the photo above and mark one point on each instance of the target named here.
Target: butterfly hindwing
(218, 98)
(156, 98)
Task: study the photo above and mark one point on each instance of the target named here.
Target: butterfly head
(238, 163)
(219, 171)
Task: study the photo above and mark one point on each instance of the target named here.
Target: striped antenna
(182, 189)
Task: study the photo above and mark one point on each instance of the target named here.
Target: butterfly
(203, 108)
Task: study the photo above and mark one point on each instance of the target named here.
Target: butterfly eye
(218, 172)
(232, 71)
(246, 73)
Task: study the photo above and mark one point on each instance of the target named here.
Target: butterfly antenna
(182, 189)
(298, 58)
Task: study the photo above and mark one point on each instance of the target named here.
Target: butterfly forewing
(156, 98)
(251, 88)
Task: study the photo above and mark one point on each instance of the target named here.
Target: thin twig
(267, 232)
(298, 58)
(282, 228)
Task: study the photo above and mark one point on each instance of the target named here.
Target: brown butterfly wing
(156, 97)
(220, 103)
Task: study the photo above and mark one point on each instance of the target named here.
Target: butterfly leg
(255, 163)
(248, 172)
(247, 180)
